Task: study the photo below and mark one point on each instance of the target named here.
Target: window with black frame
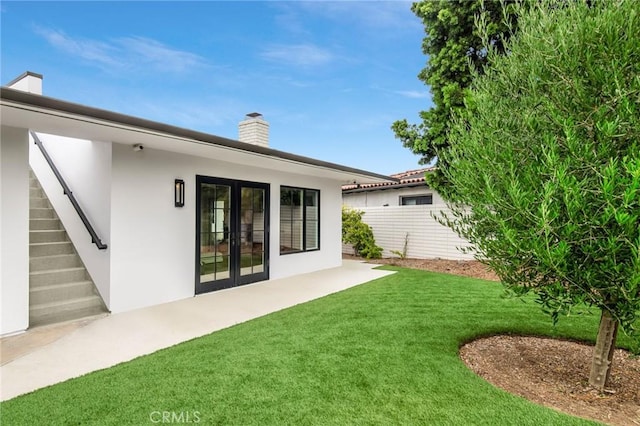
(416, 200)
(299, 219)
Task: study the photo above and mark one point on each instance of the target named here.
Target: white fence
(428, 239)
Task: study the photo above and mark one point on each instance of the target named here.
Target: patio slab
(104, 342)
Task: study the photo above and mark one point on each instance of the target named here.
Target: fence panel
(427, 239)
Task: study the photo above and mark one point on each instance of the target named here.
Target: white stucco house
(175, 212)
(402, 212)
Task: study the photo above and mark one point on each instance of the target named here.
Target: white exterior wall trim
(14, 230)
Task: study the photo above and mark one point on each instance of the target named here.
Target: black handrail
(94, 237)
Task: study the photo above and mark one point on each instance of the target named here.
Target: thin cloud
(301, 55)
(89, 50)
(288, 18)
(124, 53)
(158, 55)
(413, 94)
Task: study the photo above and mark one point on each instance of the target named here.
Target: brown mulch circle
(554, 373)
(546, 371)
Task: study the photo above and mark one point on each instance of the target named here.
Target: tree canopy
(452, 43)
(546, 164)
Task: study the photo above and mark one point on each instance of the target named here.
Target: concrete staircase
(60, 288)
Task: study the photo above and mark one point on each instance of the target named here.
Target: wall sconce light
(179, 193)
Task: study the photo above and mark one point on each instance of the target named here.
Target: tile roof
(409, 177)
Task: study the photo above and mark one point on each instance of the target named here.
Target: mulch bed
(554, 373)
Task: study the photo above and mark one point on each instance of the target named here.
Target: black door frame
(235, 278)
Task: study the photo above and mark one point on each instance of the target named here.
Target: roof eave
(33, 101)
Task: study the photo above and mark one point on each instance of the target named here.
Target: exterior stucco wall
(14, 230)
(86, 167)
(153, 243)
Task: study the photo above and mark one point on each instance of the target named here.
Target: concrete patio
(44, 356)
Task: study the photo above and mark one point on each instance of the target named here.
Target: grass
(381, 353)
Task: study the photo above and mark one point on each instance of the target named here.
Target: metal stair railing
(94, 236)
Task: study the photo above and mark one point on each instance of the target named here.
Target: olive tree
(545, 161)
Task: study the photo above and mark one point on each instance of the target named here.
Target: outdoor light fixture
(179, 193)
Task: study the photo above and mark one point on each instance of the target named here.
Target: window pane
(417, 200)
(311, 229)
(425, 199)
(311, 201)
(296, 235)
(246, 199)
(258, 242)
(258, 200)
(285, 237)
(299, 219)
(311, 197)
(297, 207)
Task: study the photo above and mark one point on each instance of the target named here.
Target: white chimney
(254, 130)
(28, 82)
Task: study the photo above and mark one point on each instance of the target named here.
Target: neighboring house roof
(403, 180)
(49, 115)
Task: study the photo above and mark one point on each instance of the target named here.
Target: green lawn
(381, 353)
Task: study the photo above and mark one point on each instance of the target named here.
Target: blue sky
(329, 77)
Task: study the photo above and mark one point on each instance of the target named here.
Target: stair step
(39, 203)
(57, 276)
(35, 224)
(41, 213)
(48, 313)
(50, 249)
(47, 236)
(35, 193)
(60, 288)
(60, 292)
(61, 261)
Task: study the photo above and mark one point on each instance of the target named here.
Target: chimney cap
(254, 115)
(24, 75)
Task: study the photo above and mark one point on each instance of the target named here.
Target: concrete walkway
(116, 338)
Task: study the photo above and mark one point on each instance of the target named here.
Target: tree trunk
(603, 351)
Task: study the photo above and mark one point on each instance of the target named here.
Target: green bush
(359, 234)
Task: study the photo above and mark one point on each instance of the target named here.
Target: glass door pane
(215, 222)
(252, 230)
